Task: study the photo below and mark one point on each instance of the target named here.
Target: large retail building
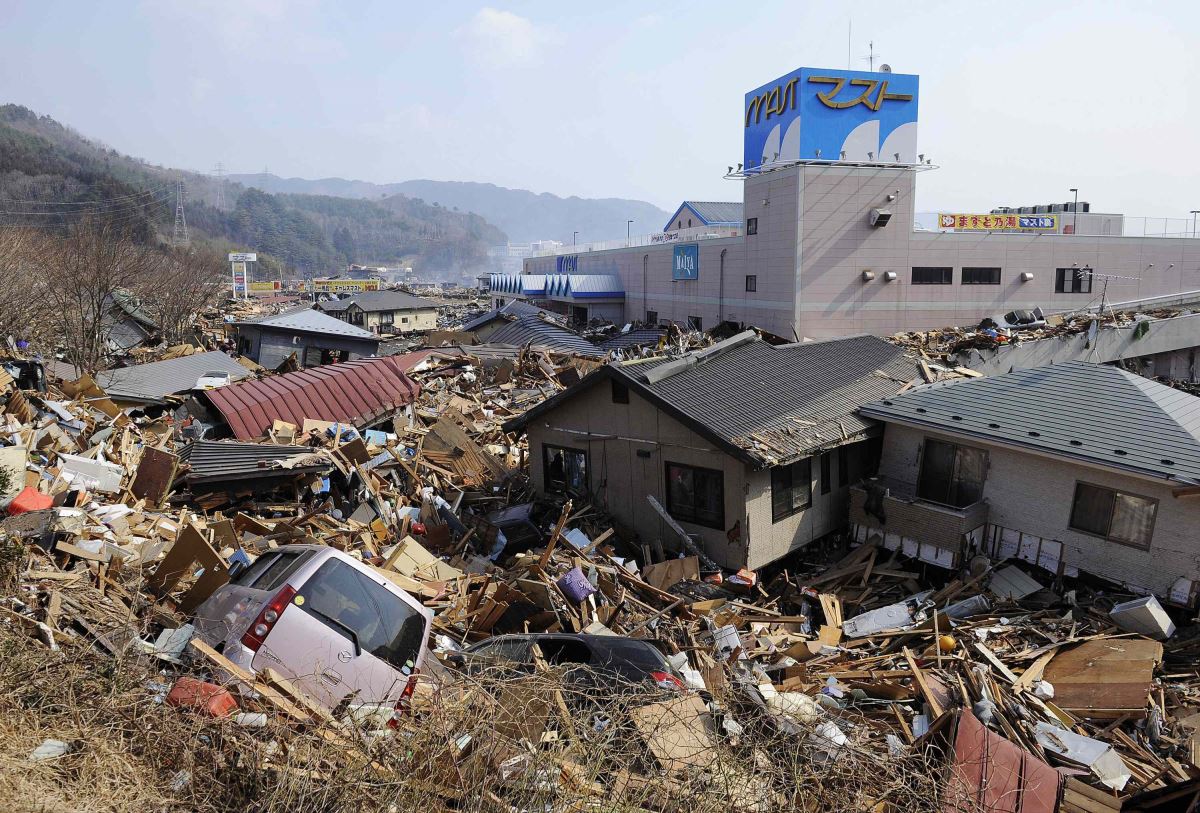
(828, 245)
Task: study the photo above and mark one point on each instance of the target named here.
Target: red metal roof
(355, 392)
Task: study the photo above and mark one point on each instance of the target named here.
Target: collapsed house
(751, 448)
(314, 338)
(1074, 467)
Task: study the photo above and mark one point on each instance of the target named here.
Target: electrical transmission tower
(180, 235)
(220, 173)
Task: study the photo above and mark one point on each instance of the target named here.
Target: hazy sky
(1019, 101)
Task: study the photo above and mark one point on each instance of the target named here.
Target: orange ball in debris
(946, 644)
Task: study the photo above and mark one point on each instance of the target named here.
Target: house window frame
(946, 274)
(547, 448)
(620, 392)
(994, 274)
(1081, 283)
(952, 485)
(777, 514)
(751, 226)
(1108, 537)
(752, 283)
(690, 516)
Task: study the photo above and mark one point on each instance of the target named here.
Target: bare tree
(23, 306)
(186, 282)
(87, 274)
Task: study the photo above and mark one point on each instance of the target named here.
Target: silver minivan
(337, 629)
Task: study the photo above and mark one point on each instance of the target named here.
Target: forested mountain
(50, 176)
(521, 214)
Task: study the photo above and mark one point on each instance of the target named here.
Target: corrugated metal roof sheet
(770, 404)
(1078, 410)
(532, 329)
(583, 286)
(515, 307)
(155, 381)
(307, 320)
(641, 337)
(356, 392)
(218, 460)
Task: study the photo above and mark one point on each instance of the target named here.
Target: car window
(558, 651)
(627, 655)
(270, 570)
(345, 600)
(509, 649)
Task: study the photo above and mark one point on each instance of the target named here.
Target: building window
(695, 323)
(689, 222)
(404, 320)
(952, 474)
(843, 466)
(620, 392)
(932, 276)
(826, 473)
(652, 318)
(1118, 517)
(981, 276)
(387, 318)
(1073, 281)
(565, 469)
(751, 282)
(791, 489)
(752, 225)
(696, 495)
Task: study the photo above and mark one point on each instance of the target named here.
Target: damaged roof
(357, 392)
(153, 382)
(307, 320)
(221, 460)
(765, 404)
(1088, 412)
(532, 329)
(516, 307)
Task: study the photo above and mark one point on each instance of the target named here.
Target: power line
(97, 208)
(132, 195)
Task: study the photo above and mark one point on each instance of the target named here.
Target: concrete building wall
(619, 479)
(814, 241)
(1033, 495)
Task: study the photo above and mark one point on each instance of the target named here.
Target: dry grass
(477, 744)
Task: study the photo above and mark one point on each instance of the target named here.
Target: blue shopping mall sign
(566, 264)
(686, 262)
(832, 115)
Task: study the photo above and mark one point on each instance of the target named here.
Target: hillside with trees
(51, 177)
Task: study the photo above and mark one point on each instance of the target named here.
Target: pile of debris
(850, 680)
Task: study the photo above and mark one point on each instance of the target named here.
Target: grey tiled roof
(211, 460)
(158, 379)
(373, 301)
(516, 307)
(641, 337)
(768, 404)
(307, 320)
(1087, 412)
(533, 329)
(711, 213)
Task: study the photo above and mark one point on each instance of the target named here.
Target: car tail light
(665, 680)
(254, 637)
(403, 704)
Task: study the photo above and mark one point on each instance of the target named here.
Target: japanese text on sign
(990, 222)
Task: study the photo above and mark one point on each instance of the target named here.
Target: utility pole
(1193, 213)
(1075, 223)
(220, 173)
(628, 224)
(179, 237)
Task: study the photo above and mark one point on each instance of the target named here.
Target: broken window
(932, 276)
(1114, 515)
(951, 474)
(1072, 280)
(791, 489)
(696, 495)
(565, 469)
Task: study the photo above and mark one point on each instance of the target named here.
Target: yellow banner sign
(264, 287)
(339, 285)
(962, 222)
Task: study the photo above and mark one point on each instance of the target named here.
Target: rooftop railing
(653, 239)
